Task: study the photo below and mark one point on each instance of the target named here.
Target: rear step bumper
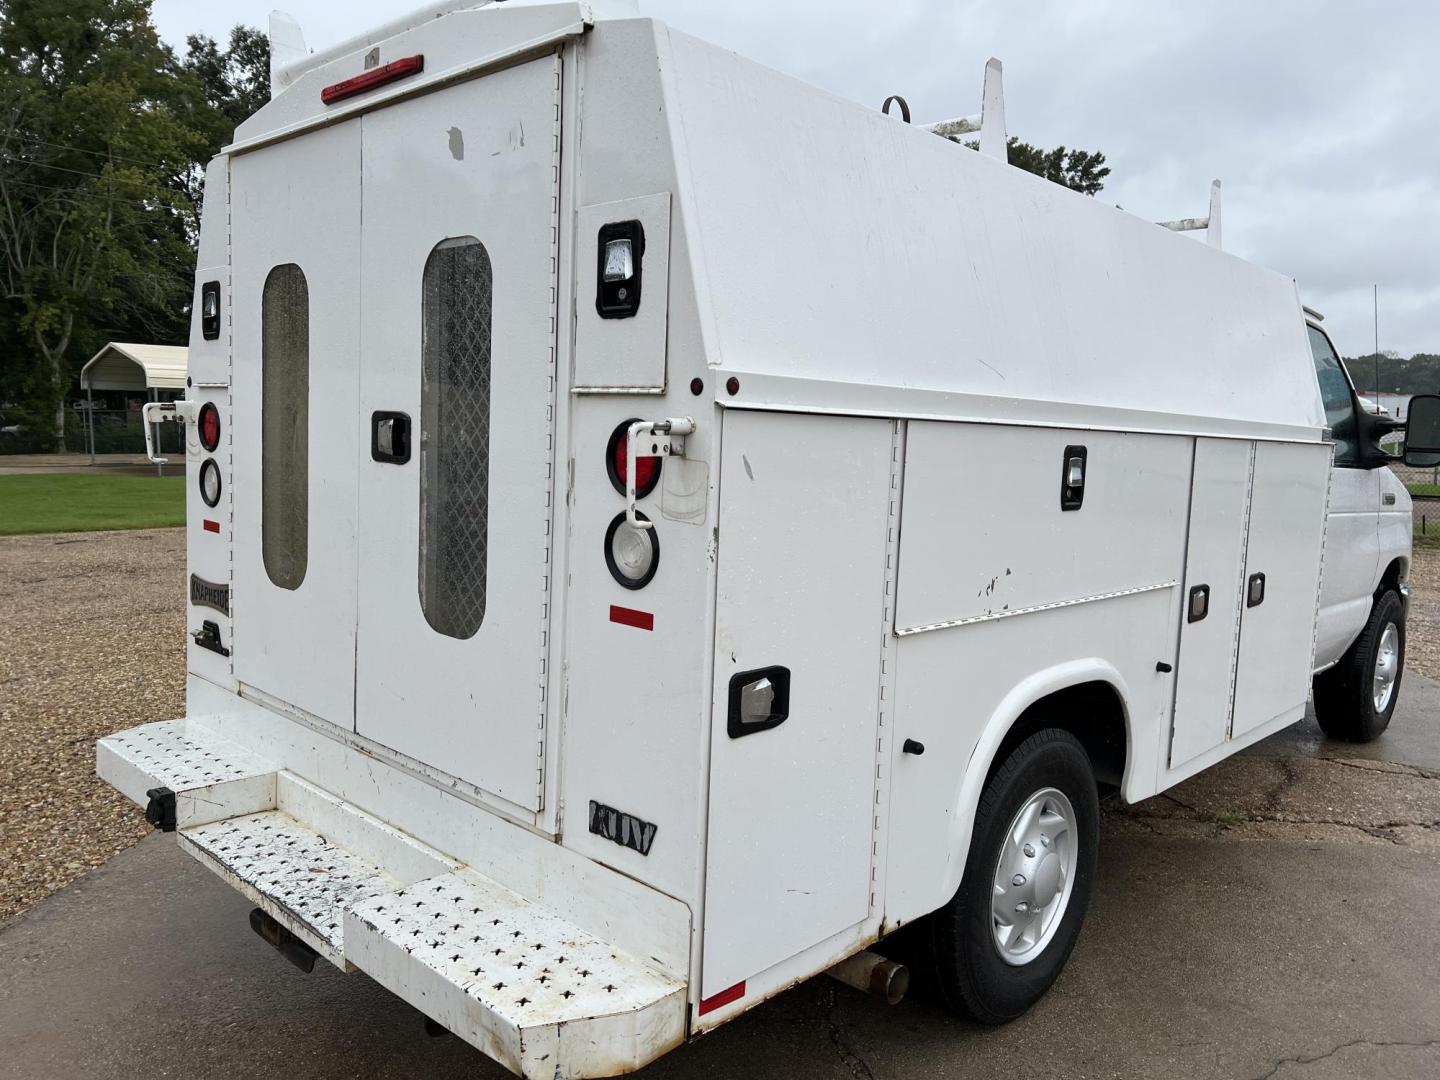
(513, 978)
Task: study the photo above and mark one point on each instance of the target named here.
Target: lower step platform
(298, 877)
(515, 979)
(204, 777)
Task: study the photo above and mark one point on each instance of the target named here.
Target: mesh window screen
(285, 426)
(455, 436)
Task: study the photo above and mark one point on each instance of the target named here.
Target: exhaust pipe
(873, 974)
(289, 946)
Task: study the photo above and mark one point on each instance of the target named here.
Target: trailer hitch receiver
(288, 945)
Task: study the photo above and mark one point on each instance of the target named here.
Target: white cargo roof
(839, 254)
(869, 259)
(474, 36)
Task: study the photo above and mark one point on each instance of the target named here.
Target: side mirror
(1422, 431)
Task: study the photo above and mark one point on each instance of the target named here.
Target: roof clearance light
(633, 555)
(647, 469)
(209, 426)
(396, 69)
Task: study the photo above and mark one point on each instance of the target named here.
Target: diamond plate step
(514, 979)
(212, 777)
(301, 879)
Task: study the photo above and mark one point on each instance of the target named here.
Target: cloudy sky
(1322, 118)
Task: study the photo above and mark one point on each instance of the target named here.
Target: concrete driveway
(1277, 917)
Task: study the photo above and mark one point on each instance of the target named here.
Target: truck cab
(1364, 590)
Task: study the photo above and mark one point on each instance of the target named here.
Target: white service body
(915, 339)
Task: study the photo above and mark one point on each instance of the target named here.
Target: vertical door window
(285, 426)
(455, 435)
(1335, 392)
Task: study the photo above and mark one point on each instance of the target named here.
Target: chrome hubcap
(1033, 876)
(1387, 666)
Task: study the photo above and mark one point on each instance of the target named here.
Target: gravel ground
(1422, 628)
(92, 641)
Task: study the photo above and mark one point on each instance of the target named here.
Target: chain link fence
(101, 430)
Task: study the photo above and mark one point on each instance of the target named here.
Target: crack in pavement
(1289, 777)
(1380, 830)
(848, 1054)
(1302, 1059)
(1384, 768)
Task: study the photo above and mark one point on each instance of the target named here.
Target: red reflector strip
(396, 69)
(724, 997)
(212, 526)
(625, 616)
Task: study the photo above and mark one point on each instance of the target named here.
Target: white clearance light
(210, 482)
(632, 554)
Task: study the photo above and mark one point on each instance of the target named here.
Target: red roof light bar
(396, 69)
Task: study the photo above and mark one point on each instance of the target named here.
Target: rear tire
(1355, 699)
(998, 946)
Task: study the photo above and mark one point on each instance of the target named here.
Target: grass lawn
(81, 503)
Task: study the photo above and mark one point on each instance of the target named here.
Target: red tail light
(647, 469)
(396, 69)
(209, 426)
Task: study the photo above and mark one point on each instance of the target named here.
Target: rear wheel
(1003, 938)
(1355, 699)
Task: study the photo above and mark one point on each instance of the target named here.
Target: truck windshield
(1335, 392)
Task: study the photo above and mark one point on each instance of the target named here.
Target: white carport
(129, 366)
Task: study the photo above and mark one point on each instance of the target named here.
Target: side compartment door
(295, 223)
(456, 402)
(1282, 567)
(1214, 562)
(803, 519)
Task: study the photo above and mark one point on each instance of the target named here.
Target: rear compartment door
(295, 224)
(457, 383)
(804, 504)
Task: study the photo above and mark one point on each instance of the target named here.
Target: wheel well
(1390, 580)
(1092, 712)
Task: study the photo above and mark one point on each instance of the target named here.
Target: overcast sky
(1322, 118)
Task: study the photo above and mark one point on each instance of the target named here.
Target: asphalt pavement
(1275, 917)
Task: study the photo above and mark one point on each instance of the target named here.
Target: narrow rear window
(455, 436)
(285, 426)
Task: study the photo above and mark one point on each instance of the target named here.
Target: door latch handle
(390, 437)
(1255, 590)
(208, 637)
(652, 438)
(157, 412)
(1072, 477)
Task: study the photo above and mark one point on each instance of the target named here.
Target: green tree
(103, 138)
(97, 157)
(1080, 170)
(235, 80)
(1417, 374)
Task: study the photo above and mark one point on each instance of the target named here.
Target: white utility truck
(657, 528)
